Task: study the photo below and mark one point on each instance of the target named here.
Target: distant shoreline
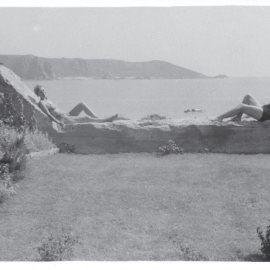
(33, 67)
(124, 79)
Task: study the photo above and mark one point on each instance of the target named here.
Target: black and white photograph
(135, 132)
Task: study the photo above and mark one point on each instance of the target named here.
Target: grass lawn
(139, 206)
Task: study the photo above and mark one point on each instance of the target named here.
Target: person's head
(39, 91)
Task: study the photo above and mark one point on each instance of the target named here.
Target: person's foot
(122, 118)
(236, 118)
(110, 119)
(215, 119)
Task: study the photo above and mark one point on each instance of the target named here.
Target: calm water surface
(138, 98)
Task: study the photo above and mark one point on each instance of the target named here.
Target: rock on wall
(24, 100)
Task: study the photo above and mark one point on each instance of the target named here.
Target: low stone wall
(247, 137)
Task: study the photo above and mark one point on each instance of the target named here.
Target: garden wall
(146, 136)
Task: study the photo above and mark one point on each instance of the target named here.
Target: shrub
(57, 248)
(6, 188)
(20, 166)
(12, 149)
(13, 127)
(36, 141)
(9, 136)
(265, 242)
(12, 159)
(66, 148)
(188, 254)
(12, 115)
(170, 148)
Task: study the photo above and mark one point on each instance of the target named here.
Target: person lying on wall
(73, 117)
(249, 106)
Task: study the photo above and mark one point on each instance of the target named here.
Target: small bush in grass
(36, 141)
(170, 148)
(12, 159)
(13, 128)
(188, 254)
(66, 148)
(19, 169)
(9, 138)
(13, 150)
(6, 188)
(57, 248)
(265, 242)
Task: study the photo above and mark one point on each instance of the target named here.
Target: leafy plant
(170, 148)
(12, 159)
(188, 254)
(13, 129)
(13, 149)
(57, 248)
(12, 115)
(36, 141)
(66, 148)
(6, 188)
(265, 242)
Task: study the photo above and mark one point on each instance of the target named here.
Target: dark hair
(37, 88)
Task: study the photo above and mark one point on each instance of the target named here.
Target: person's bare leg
(102, 120)
(108, 119)
(88, 119)
(250, 110)
(248, 100)
(82, 107)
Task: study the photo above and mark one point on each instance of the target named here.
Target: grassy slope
(140, 207)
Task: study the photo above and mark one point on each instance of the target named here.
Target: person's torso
(53, 109)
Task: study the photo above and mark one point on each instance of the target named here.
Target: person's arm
(46, 111)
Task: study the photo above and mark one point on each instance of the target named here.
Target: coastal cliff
(30, 67)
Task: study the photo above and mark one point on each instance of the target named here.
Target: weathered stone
(246, 137)
(24, 100)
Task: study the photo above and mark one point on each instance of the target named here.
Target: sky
(213, 40)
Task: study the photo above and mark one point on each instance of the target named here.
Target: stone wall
(146, 136)
(246, 137)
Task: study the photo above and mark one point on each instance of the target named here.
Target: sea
(136, 99)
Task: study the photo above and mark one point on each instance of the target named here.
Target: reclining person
(249, 106)
(73, 117)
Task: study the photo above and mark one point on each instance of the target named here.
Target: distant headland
(30, 67)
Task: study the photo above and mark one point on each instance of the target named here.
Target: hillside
(30, 67)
